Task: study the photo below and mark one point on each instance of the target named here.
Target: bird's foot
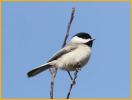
(78, 69)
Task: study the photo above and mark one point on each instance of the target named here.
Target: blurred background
(33, 31)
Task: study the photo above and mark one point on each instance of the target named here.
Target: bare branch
(53, 71)
(72, 84)
(68, 27)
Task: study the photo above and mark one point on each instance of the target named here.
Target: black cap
(83, 35)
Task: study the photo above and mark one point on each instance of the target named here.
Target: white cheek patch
(79, 40)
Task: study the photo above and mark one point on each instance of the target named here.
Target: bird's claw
(78, 69)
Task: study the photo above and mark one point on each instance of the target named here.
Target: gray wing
(68, 48)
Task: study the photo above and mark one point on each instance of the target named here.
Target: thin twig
(68, 27)
(53, 71)
(72, 84)
(70, 75)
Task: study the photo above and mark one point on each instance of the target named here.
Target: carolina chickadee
(70, 58)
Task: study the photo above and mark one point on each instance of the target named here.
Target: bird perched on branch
(72, 57)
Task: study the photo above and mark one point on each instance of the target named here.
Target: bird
(73, 56)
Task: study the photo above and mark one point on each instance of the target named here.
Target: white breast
(80, 55)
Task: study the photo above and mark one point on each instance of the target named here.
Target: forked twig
(72, 84)
(53, 71)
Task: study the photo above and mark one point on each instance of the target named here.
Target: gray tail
(38, 70)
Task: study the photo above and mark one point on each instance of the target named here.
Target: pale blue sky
(33, 32)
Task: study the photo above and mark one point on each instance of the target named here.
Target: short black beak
(92, 39)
